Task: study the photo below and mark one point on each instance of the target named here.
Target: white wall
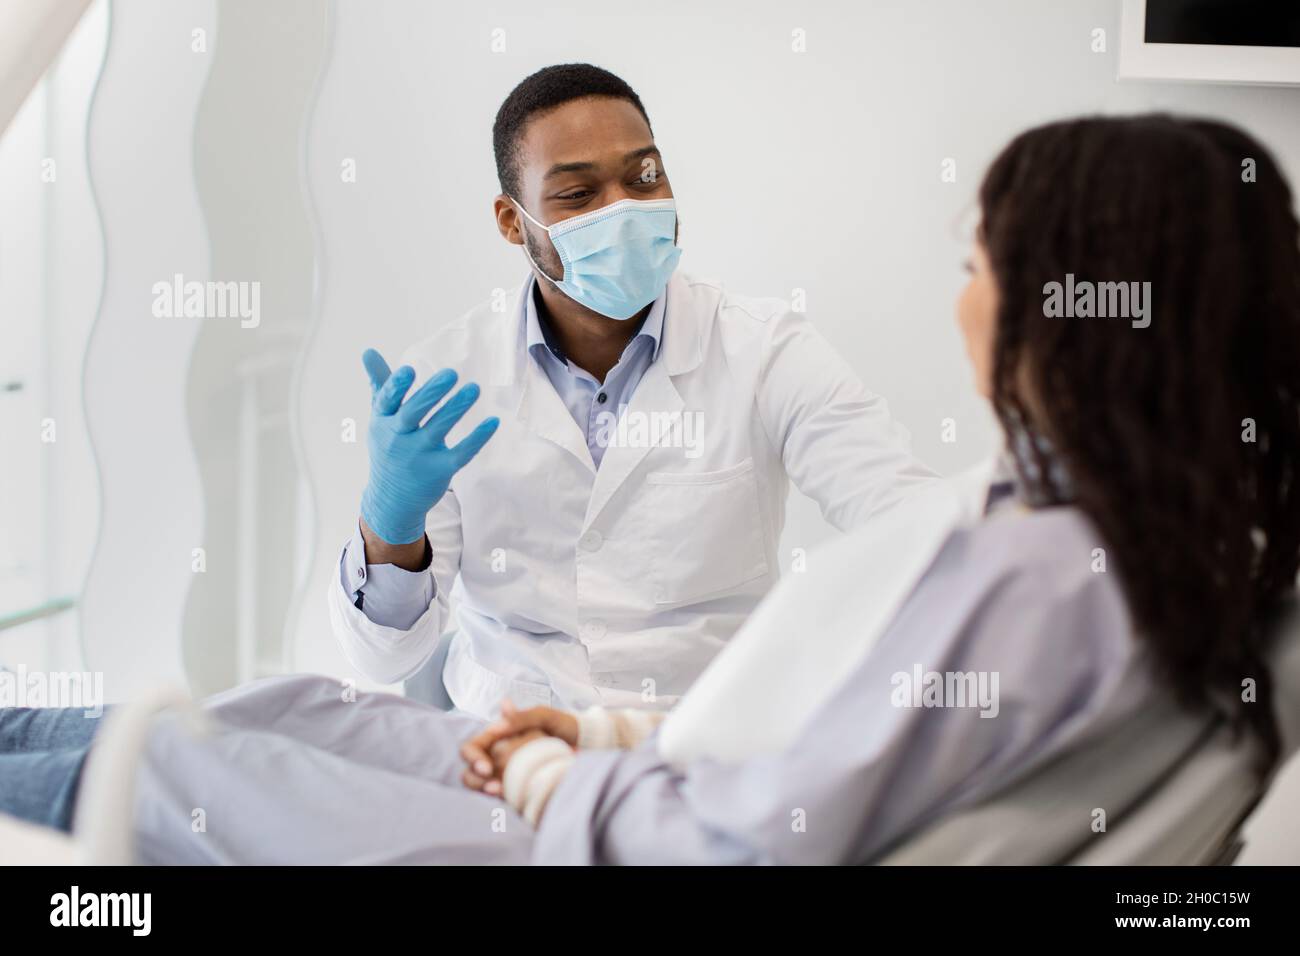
(817, 170)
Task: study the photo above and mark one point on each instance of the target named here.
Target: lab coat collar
(511, 346)
(539, 408)
(682, 345)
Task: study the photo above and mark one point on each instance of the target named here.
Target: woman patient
(1139, 528)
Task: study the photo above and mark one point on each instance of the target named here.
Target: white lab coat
(571, 586)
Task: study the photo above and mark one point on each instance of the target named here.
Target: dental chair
(1167, 788)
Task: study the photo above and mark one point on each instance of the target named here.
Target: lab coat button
(591, 540)
(593, 630)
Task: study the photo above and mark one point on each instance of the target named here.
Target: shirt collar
(542, 336)
(1002, 490)
(1006, 483)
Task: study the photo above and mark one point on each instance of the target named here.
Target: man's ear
(508, 220)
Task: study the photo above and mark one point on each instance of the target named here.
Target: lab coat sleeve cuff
(384, 654)
(391, 596)
(533, 773)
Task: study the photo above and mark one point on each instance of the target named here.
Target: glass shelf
(35, 612)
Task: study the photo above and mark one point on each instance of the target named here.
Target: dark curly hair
(1153, 425)
(540, 92)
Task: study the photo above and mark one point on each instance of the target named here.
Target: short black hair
(544, 90)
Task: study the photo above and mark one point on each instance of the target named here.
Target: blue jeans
(42, 751)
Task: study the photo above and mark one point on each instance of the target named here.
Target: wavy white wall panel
(74, 277)
(248, 172)
(141, 158)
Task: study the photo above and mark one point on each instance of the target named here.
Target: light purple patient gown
(296, 774)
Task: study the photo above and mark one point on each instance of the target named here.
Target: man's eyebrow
(560, 168)
(651, 150)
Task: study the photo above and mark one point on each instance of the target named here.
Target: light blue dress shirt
(394, 597)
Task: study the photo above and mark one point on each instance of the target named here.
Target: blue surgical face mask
(617, 259)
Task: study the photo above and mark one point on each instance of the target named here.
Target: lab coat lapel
(540, 409)
(658, 407)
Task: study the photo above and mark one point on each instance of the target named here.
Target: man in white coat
(625, 516)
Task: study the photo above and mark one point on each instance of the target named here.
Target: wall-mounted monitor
(1211, 41)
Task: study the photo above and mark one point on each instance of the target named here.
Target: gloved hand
(411, 466)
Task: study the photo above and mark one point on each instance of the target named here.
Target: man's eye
(580, 194)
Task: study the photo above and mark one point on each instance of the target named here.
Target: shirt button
(593, 630)
(591, 540)
(601, 398)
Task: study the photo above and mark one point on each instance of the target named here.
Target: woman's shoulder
(1043, 581)
(1056, 544)
(1037, 581)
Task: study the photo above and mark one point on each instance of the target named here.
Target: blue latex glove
(411, 465)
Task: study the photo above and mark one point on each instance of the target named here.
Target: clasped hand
(488, 753)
